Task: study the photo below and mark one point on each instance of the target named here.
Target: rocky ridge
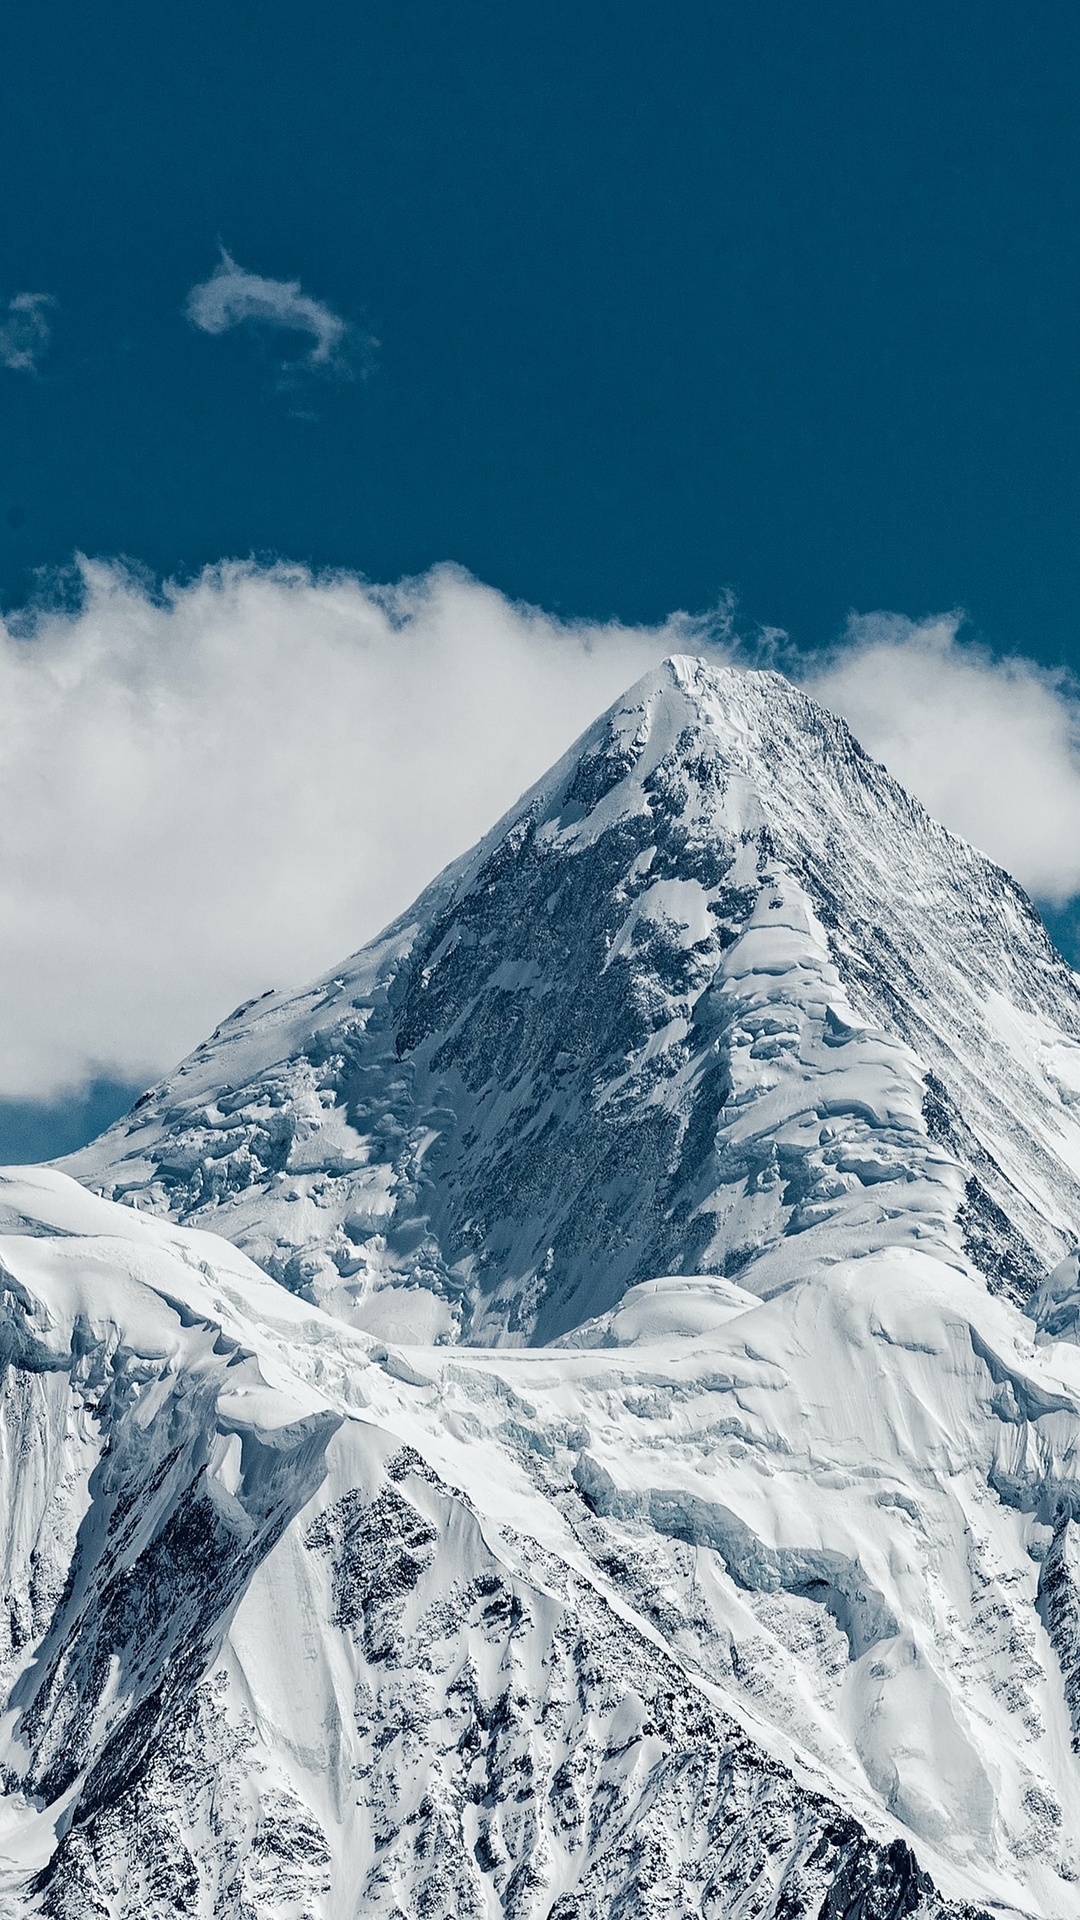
(271, 1660)
(717, 996)
(621, 1458)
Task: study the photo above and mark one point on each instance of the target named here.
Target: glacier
(576, 1413)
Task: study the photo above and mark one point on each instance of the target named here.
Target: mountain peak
(713, 1543)
(750, 722)
(713, 997)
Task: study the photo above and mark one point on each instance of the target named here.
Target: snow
(830, 1505)
(578, 1411)
(716, 982)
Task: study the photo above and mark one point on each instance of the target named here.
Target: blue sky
(619, 307)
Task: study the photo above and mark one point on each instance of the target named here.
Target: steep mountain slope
(717, 996)
(300, 1626)
(653, 1490)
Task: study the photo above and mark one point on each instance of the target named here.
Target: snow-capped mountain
(626, 1461)
(717, 996)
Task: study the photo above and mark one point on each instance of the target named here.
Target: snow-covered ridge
(636, 1470)
(301, 1625)
(716, 996)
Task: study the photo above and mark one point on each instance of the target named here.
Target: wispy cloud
(232, 297)
(25, 332)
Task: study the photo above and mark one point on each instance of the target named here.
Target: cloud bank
(232, 296)
(227, 786)
(25, 332)
(988, 745)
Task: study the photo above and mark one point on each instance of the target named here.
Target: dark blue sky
(669, 299)
(730, 294)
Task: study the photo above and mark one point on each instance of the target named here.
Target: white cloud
(988, 745)
(25, 333)
(232, 296)
(228, 787)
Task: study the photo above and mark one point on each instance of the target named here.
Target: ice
(796, 1495)
(578, 1411)
(715, 983)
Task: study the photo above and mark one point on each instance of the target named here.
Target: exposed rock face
(294, 1671)
(504, 1738)
(637, 1477)
(717, 996)
(1059, 1605)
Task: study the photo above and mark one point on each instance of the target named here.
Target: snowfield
(576, 1414)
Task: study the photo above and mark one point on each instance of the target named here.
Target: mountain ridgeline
(717, 996)
(576, 1414)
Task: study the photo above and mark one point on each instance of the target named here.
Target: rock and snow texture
(622, 1458)
(714, 1613)
(717, 996)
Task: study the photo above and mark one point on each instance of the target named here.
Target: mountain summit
(623, 1457)
(717, 996)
